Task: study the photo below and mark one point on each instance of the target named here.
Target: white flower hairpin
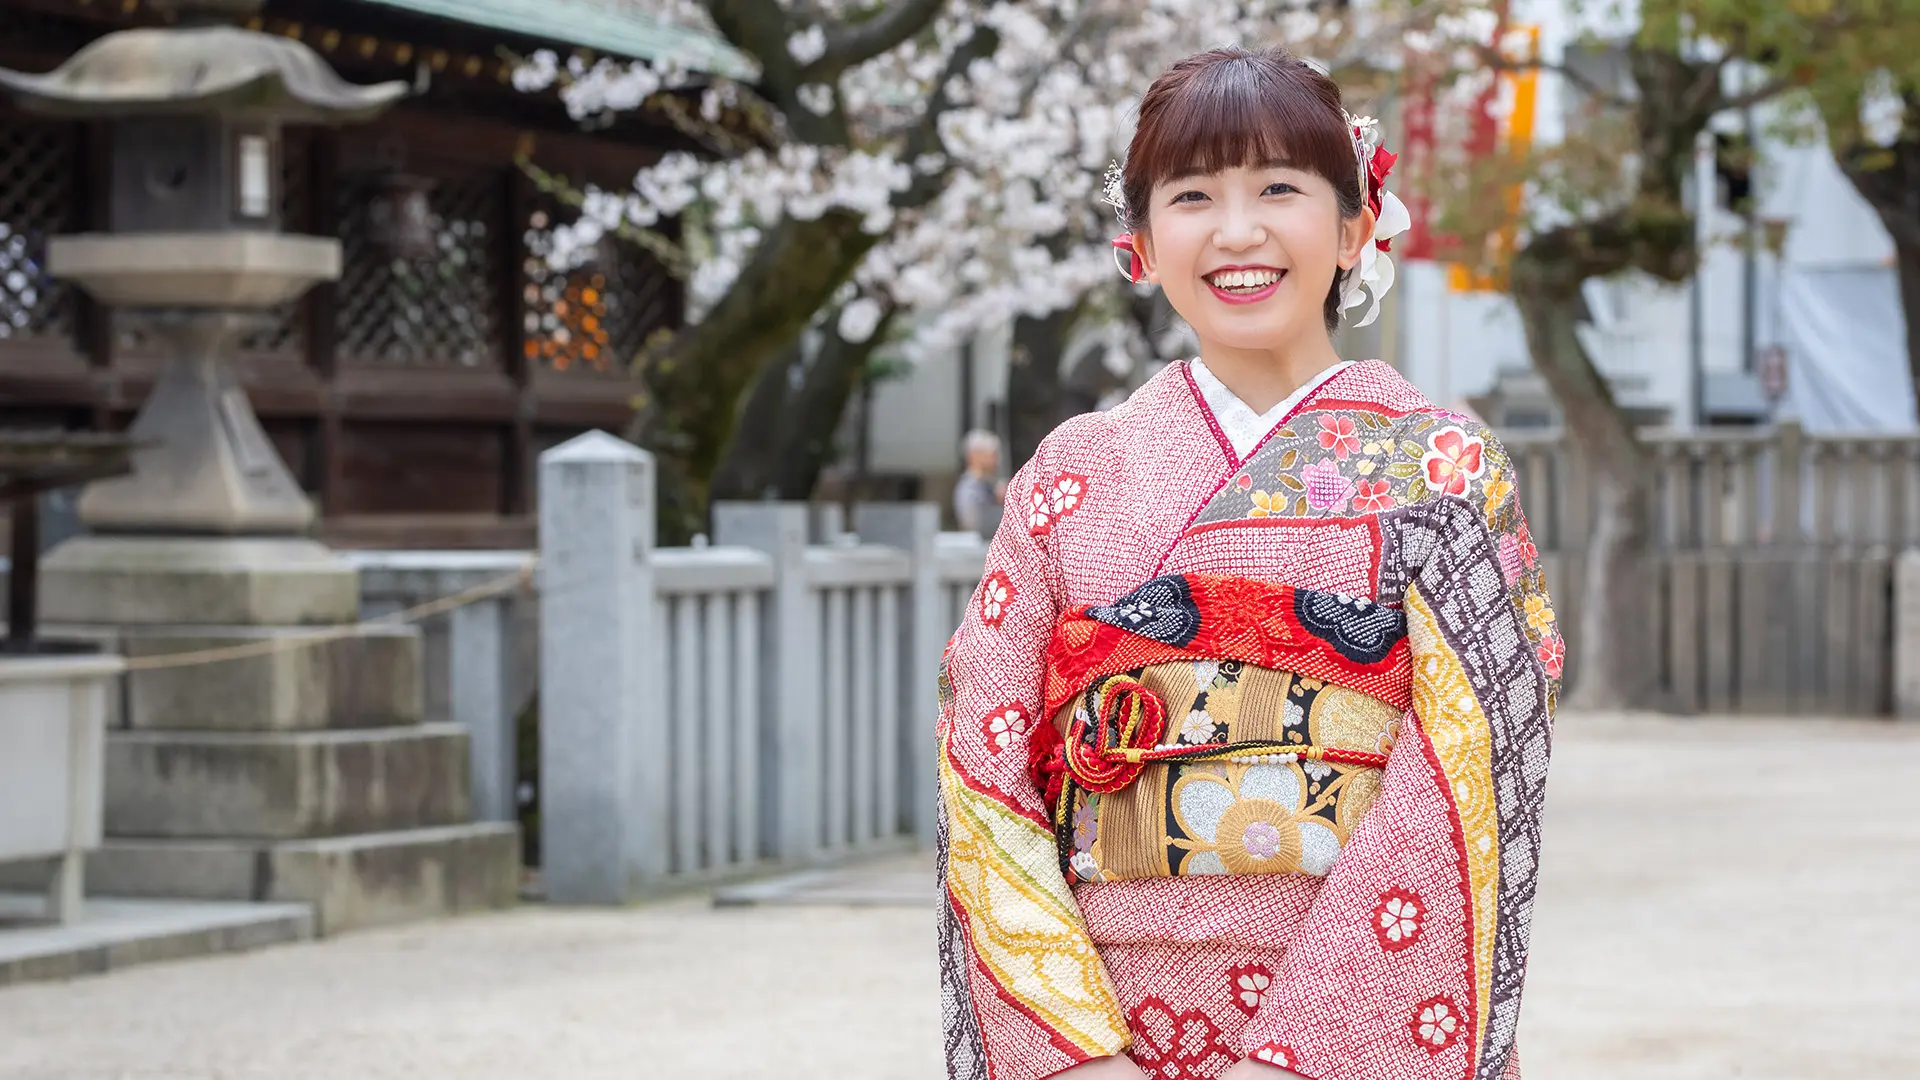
(1373, 276)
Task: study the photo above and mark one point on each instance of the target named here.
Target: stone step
(115, 932)
(285, 785)
(370, 678)
(352, 881)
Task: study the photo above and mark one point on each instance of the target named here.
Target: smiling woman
(1243, 757)
(1229, 120)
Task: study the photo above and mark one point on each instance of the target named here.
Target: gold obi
(1245, 770)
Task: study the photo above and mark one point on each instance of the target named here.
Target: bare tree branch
(1770, 89)
(1495, 60)
(855, 44)
(761, 27)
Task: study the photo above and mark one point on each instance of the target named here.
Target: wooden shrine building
(413, 397)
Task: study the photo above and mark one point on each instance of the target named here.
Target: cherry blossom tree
(1612, 198)
(902, 172)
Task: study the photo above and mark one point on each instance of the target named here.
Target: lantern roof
(200, 69)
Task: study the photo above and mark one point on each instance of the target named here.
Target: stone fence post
(915, 529)
(791, 754)
(603, 738)
(1906, 634)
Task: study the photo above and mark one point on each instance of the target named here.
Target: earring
(1130, 264)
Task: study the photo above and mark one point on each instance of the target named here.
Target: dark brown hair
(1232, 107)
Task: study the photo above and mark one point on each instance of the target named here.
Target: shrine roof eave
(592, 24)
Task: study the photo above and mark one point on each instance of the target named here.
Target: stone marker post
(603, 733)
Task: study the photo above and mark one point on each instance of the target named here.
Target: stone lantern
(194, 247)
(295, 766)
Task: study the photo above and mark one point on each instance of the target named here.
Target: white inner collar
(1245, 428)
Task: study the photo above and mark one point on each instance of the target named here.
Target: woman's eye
(1189, 196)
(1280, 188)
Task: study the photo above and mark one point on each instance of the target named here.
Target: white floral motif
(1251, 989)
(1274, 1055)
(1437, 1024)
(1085, 866)
(1006, 726)
(1197, 729)
(996, 592)
(1039, 518)
(1065, 495)
(1399, 920)
(1293, 715)
(1316, 770)
(1204, 672)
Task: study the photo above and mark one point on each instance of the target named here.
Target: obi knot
(1110, 735)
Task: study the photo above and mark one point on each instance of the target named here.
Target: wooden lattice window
(39, 198)
(440, 311)
(594, 317)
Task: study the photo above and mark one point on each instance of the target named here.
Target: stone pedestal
(305, 771)
(196, 581)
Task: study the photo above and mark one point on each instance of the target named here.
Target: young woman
(1244, 739)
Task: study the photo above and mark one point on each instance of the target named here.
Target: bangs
(1239, 109)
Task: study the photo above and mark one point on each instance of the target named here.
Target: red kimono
(1245, 758)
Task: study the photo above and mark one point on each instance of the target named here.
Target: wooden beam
(516, 486)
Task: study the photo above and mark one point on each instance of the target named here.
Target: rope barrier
(486, 590)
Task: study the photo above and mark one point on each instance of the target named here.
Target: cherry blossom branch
(924, 139)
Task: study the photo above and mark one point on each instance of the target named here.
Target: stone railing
(1773, 569)
(710, 711)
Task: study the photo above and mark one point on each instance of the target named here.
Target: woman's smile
(1244, 284)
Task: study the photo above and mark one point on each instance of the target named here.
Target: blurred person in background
(978, 494)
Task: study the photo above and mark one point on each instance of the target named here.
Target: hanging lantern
(400, 214)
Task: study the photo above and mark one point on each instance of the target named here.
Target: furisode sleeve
(1024, 995)
(1411, 962)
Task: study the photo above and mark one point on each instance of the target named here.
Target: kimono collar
(1243, 427)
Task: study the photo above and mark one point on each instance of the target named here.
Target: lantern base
(203, 465)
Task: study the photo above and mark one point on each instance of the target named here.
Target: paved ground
(1721, 899)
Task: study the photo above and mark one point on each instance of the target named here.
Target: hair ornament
(1114, 194)
(1373, 276)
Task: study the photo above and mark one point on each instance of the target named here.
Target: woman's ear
(1143, 243)
(1355, 234)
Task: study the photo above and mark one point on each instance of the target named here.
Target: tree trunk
(1037, 396)
(694, 388)
(1908, 255)
(1612, 661)
(1889, 180)
(786, 433)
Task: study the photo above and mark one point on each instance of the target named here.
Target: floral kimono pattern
(1396, 953)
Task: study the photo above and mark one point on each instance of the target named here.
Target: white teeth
(1244, 279)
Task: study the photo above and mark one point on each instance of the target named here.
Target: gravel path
(1720, 899)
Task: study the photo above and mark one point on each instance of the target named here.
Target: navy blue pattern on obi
(1359, 629)
(1162, 609)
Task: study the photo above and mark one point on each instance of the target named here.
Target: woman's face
(1247, 255)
